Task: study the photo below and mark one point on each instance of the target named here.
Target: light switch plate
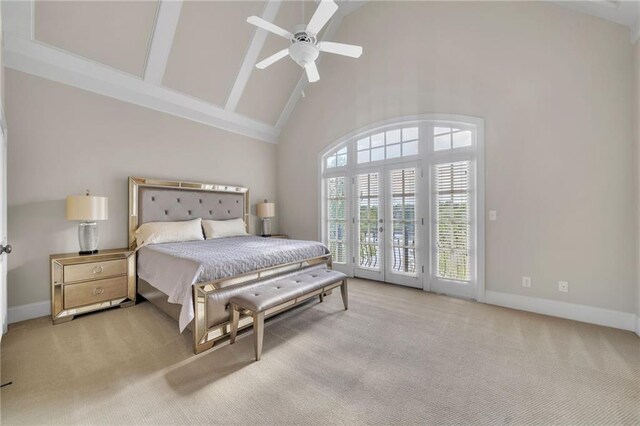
(563, 286)
(526, 282)
(493, 215)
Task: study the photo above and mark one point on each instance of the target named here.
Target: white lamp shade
(87, 207)
(265, 209)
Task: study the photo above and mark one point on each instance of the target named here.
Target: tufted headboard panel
(152, 200)
(162, 205)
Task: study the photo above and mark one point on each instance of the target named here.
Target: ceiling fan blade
(312, 72)
(271, 59)
(340, 49)
(323, 13)
(265, 25)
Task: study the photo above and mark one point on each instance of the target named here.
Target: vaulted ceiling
(194, 59)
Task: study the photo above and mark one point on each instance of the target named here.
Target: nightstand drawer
(94, 270)
(94, 291)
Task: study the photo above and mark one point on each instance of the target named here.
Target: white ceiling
(186, 58)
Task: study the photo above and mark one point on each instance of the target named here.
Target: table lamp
(87, 208)
(266, 211)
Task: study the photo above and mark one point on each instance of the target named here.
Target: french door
(387, 225)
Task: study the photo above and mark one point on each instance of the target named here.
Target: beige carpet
(397, 356)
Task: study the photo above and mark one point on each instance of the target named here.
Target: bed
(193, 281)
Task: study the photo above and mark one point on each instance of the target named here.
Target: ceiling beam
(54, 64)
(251, 56)
(164, 30)
(18, 18)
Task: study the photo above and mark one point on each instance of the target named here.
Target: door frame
(424, 157)
(4, 264)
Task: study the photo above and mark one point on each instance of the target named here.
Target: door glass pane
(368, 204)
(337, 218)
(409, 134)
(363, 144)
(442, 142)
(377, 140)
(410, 148)
(461, 139)
(393, 136)
(403, 226)
(363, 157)
(393, 151)
(377, 154)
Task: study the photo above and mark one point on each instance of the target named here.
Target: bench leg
(235, 317)
(258, 332)
(345, 294)
(321, 297)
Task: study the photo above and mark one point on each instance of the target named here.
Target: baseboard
(28, 311)
(590, 314)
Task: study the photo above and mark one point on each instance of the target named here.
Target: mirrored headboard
(156, 200)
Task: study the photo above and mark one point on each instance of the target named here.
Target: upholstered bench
(279, 294)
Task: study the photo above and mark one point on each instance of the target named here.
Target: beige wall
(553, 87)
(63, 140)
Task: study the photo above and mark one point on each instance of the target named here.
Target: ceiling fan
(305, 48)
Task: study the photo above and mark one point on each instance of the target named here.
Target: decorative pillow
(169, 232)
(224, 228)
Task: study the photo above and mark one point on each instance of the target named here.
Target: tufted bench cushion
(269, 295)
(277, 294)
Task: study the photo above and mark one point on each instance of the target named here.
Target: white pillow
(224, 228)
(169, 232)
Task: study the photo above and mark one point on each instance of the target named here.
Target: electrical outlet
(493, 215)
(563, 286)
(526, 282)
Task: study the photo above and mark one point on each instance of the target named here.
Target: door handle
(6, 249)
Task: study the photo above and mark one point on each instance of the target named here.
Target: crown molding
(47, 62)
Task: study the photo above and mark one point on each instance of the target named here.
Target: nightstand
(87, 283)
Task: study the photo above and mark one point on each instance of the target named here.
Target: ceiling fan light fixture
(303, 53)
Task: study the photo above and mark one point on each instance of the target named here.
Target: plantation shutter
(336, 203)
(368, 205)
(453, 226)
(403, 220)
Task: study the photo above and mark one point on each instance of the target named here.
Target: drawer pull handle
(98, 291)
(98, 269)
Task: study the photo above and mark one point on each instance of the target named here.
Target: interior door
(387, 227)
(4, 248)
